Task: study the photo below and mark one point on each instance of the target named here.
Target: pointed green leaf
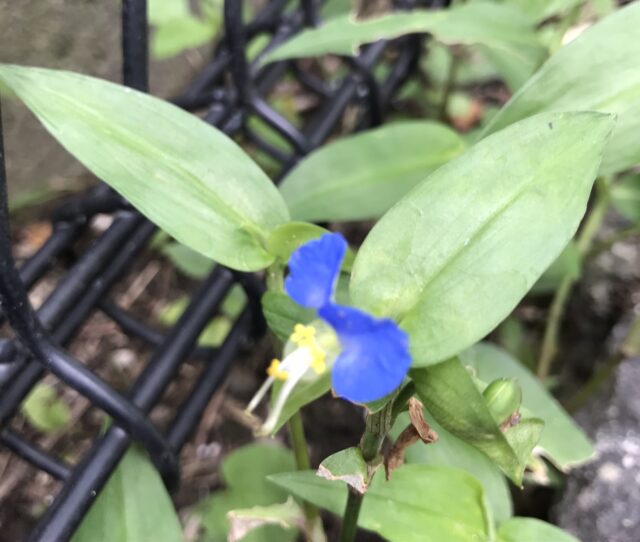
(532, 530)
(184, 175)
(361, 176)
(455, 256)
(562, 441)
(419, 504)
(452, 398)
(597, 71)
(496, 26)
(134, 505)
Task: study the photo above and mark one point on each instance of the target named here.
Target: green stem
(377, 426)
(557, 309)
(630, 348)
(301, 454)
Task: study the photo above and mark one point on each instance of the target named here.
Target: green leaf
(597, 71)
(244, 472)
(361, 176)
(567, 264)
(450, 451)
(212, 336)
(282, 314)
(625, 195)
(495, 26)
(540, 9)
(452, 398)
(177, 29)
(134, 505)
(288, 515)
(456, 255)
(189, 262)
(347, 466)
(419, 504)
(562, 441)
(44, 410)
(532, 530)
(184, 175)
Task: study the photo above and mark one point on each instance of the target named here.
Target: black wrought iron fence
(228, 92)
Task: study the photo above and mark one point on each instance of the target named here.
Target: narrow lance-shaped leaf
(452, 398)
(455, 256)
(598, 71)
(501, 28)
(361, 176)
(184, 175)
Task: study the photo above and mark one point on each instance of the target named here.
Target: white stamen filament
(296, 364)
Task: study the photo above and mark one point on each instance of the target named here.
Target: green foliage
(181, 173)
(450, 451)
(282, 314)
(361, 176)
(45, 410)
(349, 466)
(176, 28)
(187, 261)
(244, 472)
(504, 30)
(452, 398)
(531, 530)
(454, 257)
(626, 197)
(562, 441)
(597, 71)
(419, 504)
(133, 506)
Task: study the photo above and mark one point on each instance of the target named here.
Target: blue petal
(314, 270)
(375, 354)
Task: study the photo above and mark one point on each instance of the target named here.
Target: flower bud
(503, 397)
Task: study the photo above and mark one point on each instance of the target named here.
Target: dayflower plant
(370, 357)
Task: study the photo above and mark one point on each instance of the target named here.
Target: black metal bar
(88, 478)
(135, 49)
(35, 455)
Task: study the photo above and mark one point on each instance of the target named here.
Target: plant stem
(301, 454)
(558, 305)
(629, 348)
(376, 428)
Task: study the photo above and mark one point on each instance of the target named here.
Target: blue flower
(374, 357)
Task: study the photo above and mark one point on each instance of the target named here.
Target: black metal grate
(227, 93)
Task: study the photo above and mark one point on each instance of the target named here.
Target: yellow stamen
(303, 335)
(274, 370)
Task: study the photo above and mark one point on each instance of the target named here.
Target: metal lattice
(228, 92)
